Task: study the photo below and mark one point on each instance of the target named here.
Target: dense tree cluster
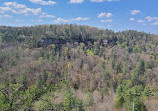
(77, 68)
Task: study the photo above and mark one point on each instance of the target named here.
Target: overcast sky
(118, 15)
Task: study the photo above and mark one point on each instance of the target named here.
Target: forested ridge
(77, 68)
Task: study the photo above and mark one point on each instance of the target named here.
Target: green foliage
(124, 70)
(12, 64)
(40, 105)
(119, 102)
(71, 103)
(45, 102)
(137, 49)
(89, 52)
(136, 91)
(102, 64)
(58, 57)
(138, 71)
(137, 105)
(0, 71)
(1, 38)
(41, 81)
(96, 48)
(106, 74)
(123, 45)
(147, 92)
(112, 62)
(9, 96)
(53, 46)
(89, 100)
(129, 49)
(118, 43)
(141, 66)
(48, 59)
(135, 75)
(131, 95)
(40, 60)
(117, 68)
(22, 80)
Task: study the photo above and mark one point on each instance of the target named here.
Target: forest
(73, 67)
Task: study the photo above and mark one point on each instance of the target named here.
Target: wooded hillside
(77, 68)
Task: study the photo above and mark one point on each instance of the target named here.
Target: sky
(117, 15)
